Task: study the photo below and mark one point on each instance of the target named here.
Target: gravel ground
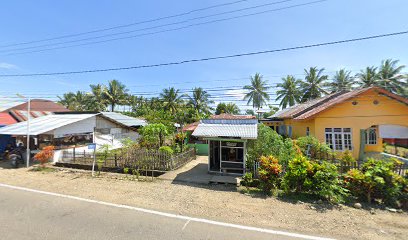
(217, 202)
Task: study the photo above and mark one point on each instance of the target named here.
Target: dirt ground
(217, 202)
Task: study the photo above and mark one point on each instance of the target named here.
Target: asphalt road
(33, 215)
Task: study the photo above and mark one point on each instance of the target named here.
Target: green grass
(43, 169)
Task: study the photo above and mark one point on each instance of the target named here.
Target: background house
(355, 120)
(75, 131)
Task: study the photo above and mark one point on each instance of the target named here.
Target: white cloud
(7, 65)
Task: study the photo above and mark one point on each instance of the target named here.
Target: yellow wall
(360, 116)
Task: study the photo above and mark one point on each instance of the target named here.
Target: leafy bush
(347, 161)
(376, 180)
(45, 155)
(269, 173)
(166, 149)
(154, 134)
(321, 180)
(268, 143)
(317, 150)
(247, 179)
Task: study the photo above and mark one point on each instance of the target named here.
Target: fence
(143, 159)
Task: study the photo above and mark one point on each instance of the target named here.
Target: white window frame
(370, 141)
(339, 140)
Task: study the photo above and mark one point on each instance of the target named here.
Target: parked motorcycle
(16, 157)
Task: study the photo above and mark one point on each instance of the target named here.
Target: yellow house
(356, 120)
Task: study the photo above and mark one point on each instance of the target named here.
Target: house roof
(311, 108)
(21, 115)
(231, 116)
(190, 127)
(233, 128)
(40, 105)
(6, 119)
(124, 120)
(44, 124)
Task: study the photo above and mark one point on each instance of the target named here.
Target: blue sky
(331, 20)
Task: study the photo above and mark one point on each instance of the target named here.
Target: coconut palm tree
(200, 101)
(314, 84)
(288, 92)
(115, 94)
(228, 108)
(342, 81)
(98, 99)
(368, 77)
(390, 76)
(172, 99)
(68, 100)
(257, 91)
(79, 101)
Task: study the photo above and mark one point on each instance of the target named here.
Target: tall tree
(288, 93)
(115, 94)
(342, 81)
(98, 99)
(228, 108)
(391, 77)
(79, 101)
(68, 100)
(172, 99)
(200, 101)
(257, 94)
(314, 84)
(368, 77)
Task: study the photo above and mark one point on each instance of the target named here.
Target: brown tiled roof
(41, 105)
(190, 127)
(232, 117)
(306, 110)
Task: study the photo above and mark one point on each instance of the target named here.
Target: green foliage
(269, 173)
(317, 149)
(257, 91)
(154, 134)
(166, 149)
(289, 93)
(376, 180)
(268, 143)
(228, 108)
(247, 179)
(321, 180)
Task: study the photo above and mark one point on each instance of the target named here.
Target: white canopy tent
(393, 131)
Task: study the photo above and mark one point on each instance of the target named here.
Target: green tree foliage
(154, 134)
(115, 94)
(342, 81)
(391, 77)
(289, 93)
(368, 77)
(314, 84)
(172, 99)
(269, 173)
(257, 94)
(200, 102)
(229, 108)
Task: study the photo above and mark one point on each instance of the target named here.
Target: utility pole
(28, 131)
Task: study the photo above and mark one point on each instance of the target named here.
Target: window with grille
(338, 139)
(371, 136)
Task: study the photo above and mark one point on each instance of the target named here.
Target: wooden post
(73, 154)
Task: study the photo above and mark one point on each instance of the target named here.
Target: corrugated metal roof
(44, 124)
(245, 129)
(21, 115)
(125, 120)
(231, 116)
(6, 119)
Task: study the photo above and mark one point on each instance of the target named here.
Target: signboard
(92, 146)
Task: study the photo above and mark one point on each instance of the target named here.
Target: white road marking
(170, 215)
(185, 225)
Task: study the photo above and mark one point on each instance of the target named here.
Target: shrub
(247, 179)
(376, 180)
(268, 143)
(321, 180)
(346, 160)
(269, 173)
(166, 149)
(317, 150)
(45, 155)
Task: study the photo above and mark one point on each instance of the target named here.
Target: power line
(125, 25)
(210, 58)
(146, 28)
